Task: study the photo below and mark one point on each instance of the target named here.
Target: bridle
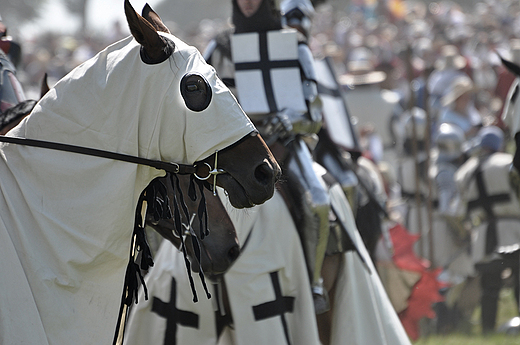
(211, 172)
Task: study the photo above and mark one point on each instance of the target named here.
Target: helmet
(491, 138)
(421, 125)
(449, 140)
(297, 14)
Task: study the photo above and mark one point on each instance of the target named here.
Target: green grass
(506, 311)
(461, 339)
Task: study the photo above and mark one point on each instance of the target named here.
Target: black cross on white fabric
(173, 315)
(278, 307)
(486, 202)
(265, 66)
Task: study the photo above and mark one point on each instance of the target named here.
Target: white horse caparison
(67, 219)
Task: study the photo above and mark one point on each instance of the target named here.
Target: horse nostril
(264, 174)
(233, 253)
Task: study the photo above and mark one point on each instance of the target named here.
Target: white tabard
(267, 73)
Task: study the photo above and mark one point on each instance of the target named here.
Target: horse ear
(44, 88)
(154, 19)
(153, 45)
(512, 67)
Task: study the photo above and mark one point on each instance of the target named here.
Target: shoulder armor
(306, 61)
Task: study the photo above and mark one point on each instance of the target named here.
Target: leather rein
(175, 168)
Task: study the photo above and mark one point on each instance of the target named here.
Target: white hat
(459, 86)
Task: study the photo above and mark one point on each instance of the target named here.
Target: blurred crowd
(411, 40)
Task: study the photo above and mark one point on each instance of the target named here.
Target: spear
(411, 103)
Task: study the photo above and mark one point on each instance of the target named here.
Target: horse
(70, 221)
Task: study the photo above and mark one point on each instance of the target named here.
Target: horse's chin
(207, 268)
(236, 193)
(207, 264)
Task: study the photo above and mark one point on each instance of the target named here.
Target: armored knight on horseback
(277, 88)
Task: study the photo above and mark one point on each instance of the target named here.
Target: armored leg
(491, 283)
(310, 207)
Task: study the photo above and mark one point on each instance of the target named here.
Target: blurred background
(57, 35)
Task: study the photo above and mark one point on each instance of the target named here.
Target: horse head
(247, 169)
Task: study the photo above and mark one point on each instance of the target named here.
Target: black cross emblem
(265, 66)
(173, 315)
(487, 201)
(278, 307)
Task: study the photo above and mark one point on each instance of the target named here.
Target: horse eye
(195, 91)
(192, 87)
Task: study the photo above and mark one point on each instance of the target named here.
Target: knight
(271, 71)
(448, 241)
(298, 14)
(447, 156)
(490, 205)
